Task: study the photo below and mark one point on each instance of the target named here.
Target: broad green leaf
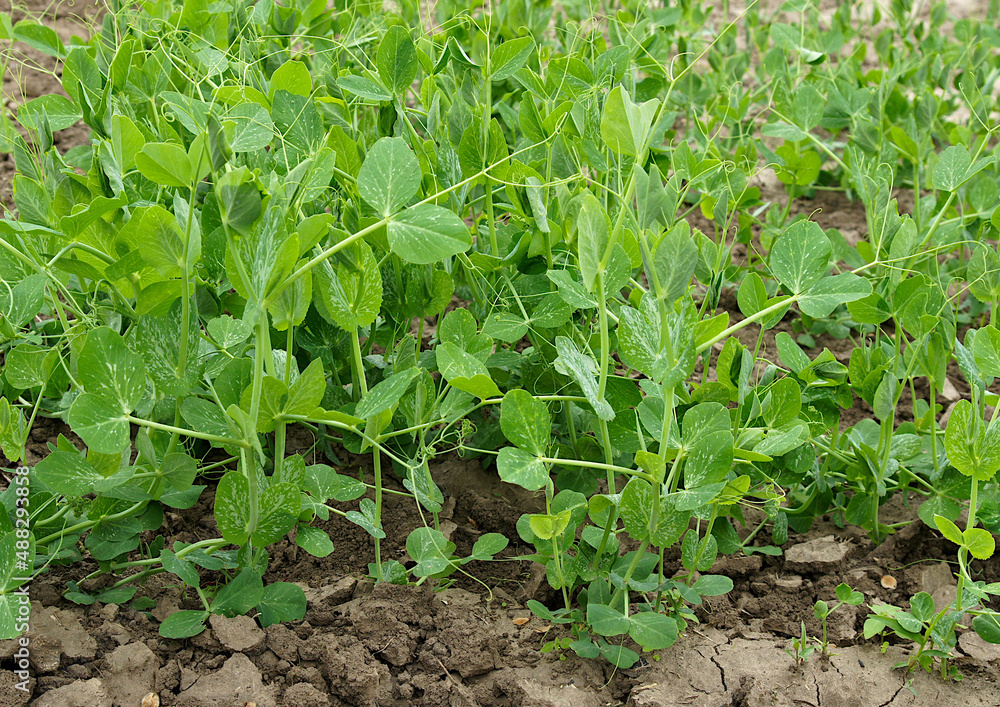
(279, 507)
(250, 125)
(505, 326)
(509, 57)
(183, 624)
(710, 460)
(823, 297)
(784, 404)
(428, 234)
(583, 370)
(986, 349)
(314, 541)
(59, 111)
(346, 296)
(464, 371)
(366, 518)
(618, 655)
(180, 567)
(42, 38)
(162, 243)
(430, 550)
(20, 304)
(592, 239)
(364, 87)
(192, 113)
(240, 595)
(13, 431)
(652, 631)
(980, 543)
(27, 365)
(972, 448)
(870, 310)
(299, 126)
(922, 606)
(165, 164)
(179, 471)
(674, 262)
(952, 168)
(397, 60)
(801, 256)
(292, 76)
(571, 291)
(205, 416)
(549, 526)
(521, 468)
(637, 508)
(240, 204)
(525, 421)
(988, 627)
(232, 505)
(807, 106)
(157, 341)
(100, 422)
(390, 176)
(536, 199)
(984, 272)
(949, 530)
(626, 126)
(885, 397)
(386, 394)
(281, 602)
(652, 202)
(306, 392)
(273, 395)
(323, 483)
(229, 332)
(672, 523)
(782, 440)
(489, 545)
(605, 621)
(108, 368)
(712, 585)
(68, 473)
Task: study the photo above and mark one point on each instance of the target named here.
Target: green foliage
(273, 199)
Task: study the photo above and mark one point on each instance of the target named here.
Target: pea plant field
(502, 352)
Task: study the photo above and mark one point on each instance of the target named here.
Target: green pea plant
(972, 447)
(502, 231)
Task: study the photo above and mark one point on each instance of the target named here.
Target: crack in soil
(722, 671)
(894, 695)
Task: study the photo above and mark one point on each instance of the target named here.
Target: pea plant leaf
(349, 294)
(525, 421)
(801, 256)
(972, 447)
(626, 126)
(521, 468)
(390, 176)
(592, 237)
(582, 369)
(509, 57)
(427, 233)
(397, 60)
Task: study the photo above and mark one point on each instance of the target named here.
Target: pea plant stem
(359, 370)
(186, 432)
(90, 523)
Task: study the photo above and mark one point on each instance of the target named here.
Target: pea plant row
(276, 199)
